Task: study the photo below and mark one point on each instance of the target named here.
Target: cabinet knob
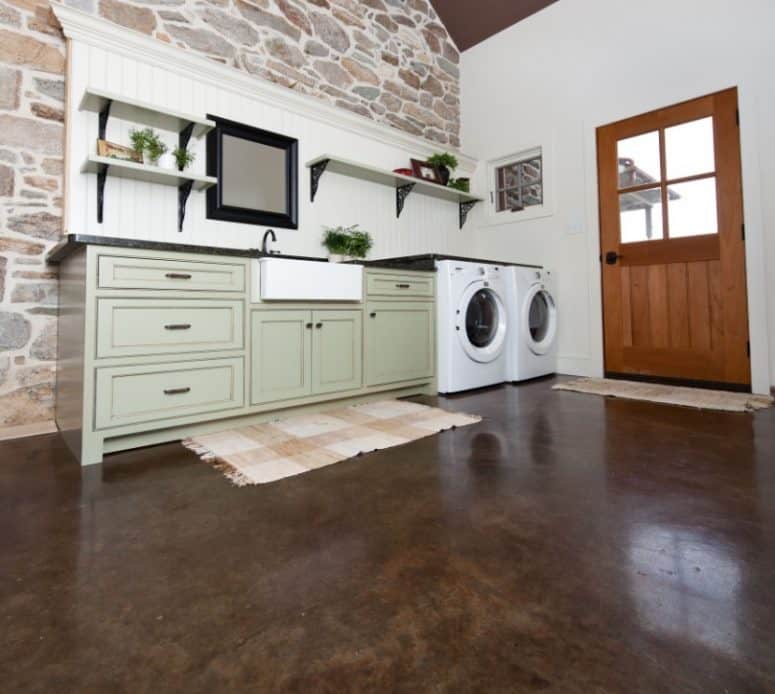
(373, 315)
(318, 325)
(309, 326)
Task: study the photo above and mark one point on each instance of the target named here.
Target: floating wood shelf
(98, 100)
(403, 185)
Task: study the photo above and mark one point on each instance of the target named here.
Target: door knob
(611, 257)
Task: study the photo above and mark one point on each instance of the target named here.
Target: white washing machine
(472, 325)
(533, 314)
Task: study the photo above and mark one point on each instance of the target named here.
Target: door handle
(176, 391)
(178, 326)
(611, 257)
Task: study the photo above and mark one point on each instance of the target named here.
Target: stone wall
(388, 60)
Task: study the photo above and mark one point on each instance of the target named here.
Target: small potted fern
(344, 243)
(446, 163)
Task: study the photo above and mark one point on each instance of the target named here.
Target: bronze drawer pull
(403, 286)
(178, 326)
(176, 391)
(178, 276)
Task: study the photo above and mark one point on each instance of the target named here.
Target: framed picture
(425, 171)
(114, 151)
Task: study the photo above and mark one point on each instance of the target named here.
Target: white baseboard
(24, 430)
(578, 366)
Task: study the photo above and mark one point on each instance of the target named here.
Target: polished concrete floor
(567, 543)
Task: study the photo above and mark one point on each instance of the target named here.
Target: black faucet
(269, 233)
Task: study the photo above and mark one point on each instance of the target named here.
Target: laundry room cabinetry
(400, 332)
(298, 353)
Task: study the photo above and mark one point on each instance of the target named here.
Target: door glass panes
(482, 318)
(691, 208)
(689, 149)
(639, 160)
(538, 317)
(640, 215)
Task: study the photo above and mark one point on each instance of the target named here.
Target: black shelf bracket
(402, 193)
(184, 136)
(184, 190)
(465, 208)
(102, 175)
(315, 172)
(103, 118)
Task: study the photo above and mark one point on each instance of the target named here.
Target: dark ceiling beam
(471, 21)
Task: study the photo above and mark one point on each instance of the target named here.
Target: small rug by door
(267, 452)
(670, 395)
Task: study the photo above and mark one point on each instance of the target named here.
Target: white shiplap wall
(147, 211)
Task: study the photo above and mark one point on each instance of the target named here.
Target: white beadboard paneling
(135, 209)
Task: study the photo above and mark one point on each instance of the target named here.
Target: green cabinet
(336, 351)
(281, 367)
(400, 342)
(300, 353)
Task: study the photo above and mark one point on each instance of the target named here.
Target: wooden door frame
(591, 361)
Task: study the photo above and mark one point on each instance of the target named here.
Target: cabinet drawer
(134, 394)
(136, 327)
(117, 272)
(399, 285)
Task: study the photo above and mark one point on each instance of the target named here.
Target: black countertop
(73, 242)
(427, 262)
(424, 263)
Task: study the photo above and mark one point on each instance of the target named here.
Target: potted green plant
(148, 142)
(183, 157)
(446, 163)
(461, 184)
(346, 242)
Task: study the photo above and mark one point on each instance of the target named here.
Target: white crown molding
(100, 33)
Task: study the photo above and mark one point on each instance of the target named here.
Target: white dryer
(533, 313)
(472, 325)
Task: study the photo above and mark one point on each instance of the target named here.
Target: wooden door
(400, 342)
(672, 243)
(281, 364)
(337, 351)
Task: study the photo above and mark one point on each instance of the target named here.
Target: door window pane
(639, 160)
(689, 149)
(640, 215)
(691, 208)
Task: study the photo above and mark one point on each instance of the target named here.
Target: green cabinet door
(336, 351)
(400, 342)
(281, 365)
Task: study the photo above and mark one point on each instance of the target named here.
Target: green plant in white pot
(344, 243)
(148, 142)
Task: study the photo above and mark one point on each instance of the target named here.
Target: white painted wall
(580, 64)
(106, 57)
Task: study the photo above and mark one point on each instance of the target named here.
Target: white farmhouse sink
(285, 279)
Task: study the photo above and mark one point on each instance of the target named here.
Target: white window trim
(493, 218)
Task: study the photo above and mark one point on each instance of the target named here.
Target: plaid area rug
(268, 452)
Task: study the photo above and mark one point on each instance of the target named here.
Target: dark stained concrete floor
(567, 543)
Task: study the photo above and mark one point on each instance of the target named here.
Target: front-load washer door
(539, 320)
(481, 323)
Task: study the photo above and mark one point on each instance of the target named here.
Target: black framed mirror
(257, 172)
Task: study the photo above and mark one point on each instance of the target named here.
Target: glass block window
(519, 184)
